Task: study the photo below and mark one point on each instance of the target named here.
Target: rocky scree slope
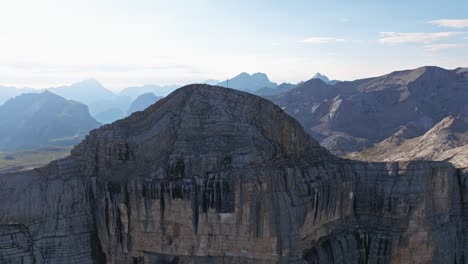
(213, 175)
(447, 140)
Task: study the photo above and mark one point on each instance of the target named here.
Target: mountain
(249, 83)
(447, 140)
(321, 77)
(136, 91)
(142, 102)
(109, 110)
(351, 116)
(86, 92)
(268, 91)
(214, 175)
(103, 104)
(32, 121)
(324, 78)
(7, 92)
(109, 115)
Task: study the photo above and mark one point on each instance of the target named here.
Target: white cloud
(439, 47)
(450, 23)
(344, 20)
(396, 37)
(465, 37)
(322, 40)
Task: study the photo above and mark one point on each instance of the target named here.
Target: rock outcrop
(213, 175)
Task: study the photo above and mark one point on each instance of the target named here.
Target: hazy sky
(122, 43)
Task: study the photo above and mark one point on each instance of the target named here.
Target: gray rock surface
(213, 175)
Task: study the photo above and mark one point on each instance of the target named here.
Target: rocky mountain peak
(214, 175)
(320, 76)
(200, 124)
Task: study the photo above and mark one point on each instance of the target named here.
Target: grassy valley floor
(25, 160)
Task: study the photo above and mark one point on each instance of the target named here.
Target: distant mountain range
(136, 91)
(36, 120)
(104, 105)
(87, 92)
(100, 100)
(268, 91)
(351, 116)
(387, 115)
(7, 92)
(260, 84)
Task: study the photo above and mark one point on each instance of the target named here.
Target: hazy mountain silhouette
(268, 91)
(86, 92)
(158, 90)
(36, 120)
(324, 78)
(7, 92)
(320, 76)
(142, 102)
(247, 82)
(109, 115)
(109, 110)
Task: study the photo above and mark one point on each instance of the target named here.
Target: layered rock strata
(213, 175)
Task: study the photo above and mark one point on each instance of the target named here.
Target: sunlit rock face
(213, 175)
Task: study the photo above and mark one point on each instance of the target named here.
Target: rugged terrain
(447, 140)
(351, 116)
(213, 175)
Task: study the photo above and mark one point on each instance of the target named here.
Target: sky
(125, 43)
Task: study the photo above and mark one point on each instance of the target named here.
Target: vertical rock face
(212, 175)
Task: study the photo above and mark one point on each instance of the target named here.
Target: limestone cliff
(213, 175)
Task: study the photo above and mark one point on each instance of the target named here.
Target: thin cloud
(439, 47)
(344, 20)
(450, 23)
(322, 40)
(398, 38)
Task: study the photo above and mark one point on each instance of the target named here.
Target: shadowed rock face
(213, 175)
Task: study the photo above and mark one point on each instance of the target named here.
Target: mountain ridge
(44, 119)
(209, 163)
